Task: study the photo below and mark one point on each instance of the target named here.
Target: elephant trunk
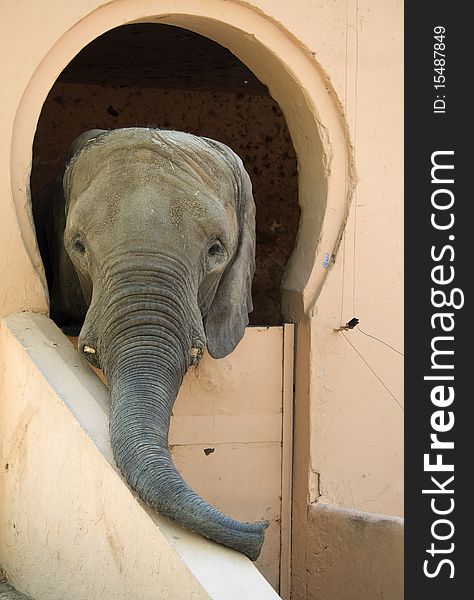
(145, 349)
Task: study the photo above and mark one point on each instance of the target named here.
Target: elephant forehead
(153, 209)
(183, 207)
(149, 156)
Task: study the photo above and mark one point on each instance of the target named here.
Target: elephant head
(160, 229)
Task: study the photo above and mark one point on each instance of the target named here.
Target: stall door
(231, 438)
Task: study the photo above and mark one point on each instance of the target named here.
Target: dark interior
(164, 76)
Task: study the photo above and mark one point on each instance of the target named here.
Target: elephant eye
(79, 246)
(214, 248)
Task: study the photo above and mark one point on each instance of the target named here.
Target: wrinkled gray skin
(9, 593)
(160, 229)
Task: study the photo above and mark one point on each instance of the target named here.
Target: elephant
(153, 250)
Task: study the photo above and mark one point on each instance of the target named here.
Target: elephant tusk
(196, 355)
(89, 350)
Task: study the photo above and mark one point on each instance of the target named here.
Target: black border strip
(428, 132)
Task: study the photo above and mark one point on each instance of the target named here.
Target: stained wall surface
(335, 570)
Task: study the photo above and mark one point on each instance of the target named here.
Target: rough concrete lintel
(357, 515)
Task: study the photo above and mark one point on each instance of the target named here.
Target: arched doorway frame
(295, 80)
(326, 174)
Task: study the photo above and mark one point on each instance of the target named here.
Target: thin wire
(343, 271)
(354, 255)
(355, 145)
(379, 340)
(343, 249)
(354, 239)
(347, 52)
(355, 349)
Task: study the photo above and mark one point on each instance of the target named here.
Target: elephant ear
(82, 140)
(227, 317)
(67, 303)
(75, 149)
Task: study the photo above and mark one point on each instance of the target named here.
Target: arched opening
(326, 174)
(159, 75)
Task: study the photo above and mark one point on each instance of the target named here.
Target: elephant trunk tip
(248, 541)
(255, 548)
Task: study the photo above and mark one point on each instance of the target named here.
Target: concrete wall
(335, 68)
(353, 417)
(353, 554)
